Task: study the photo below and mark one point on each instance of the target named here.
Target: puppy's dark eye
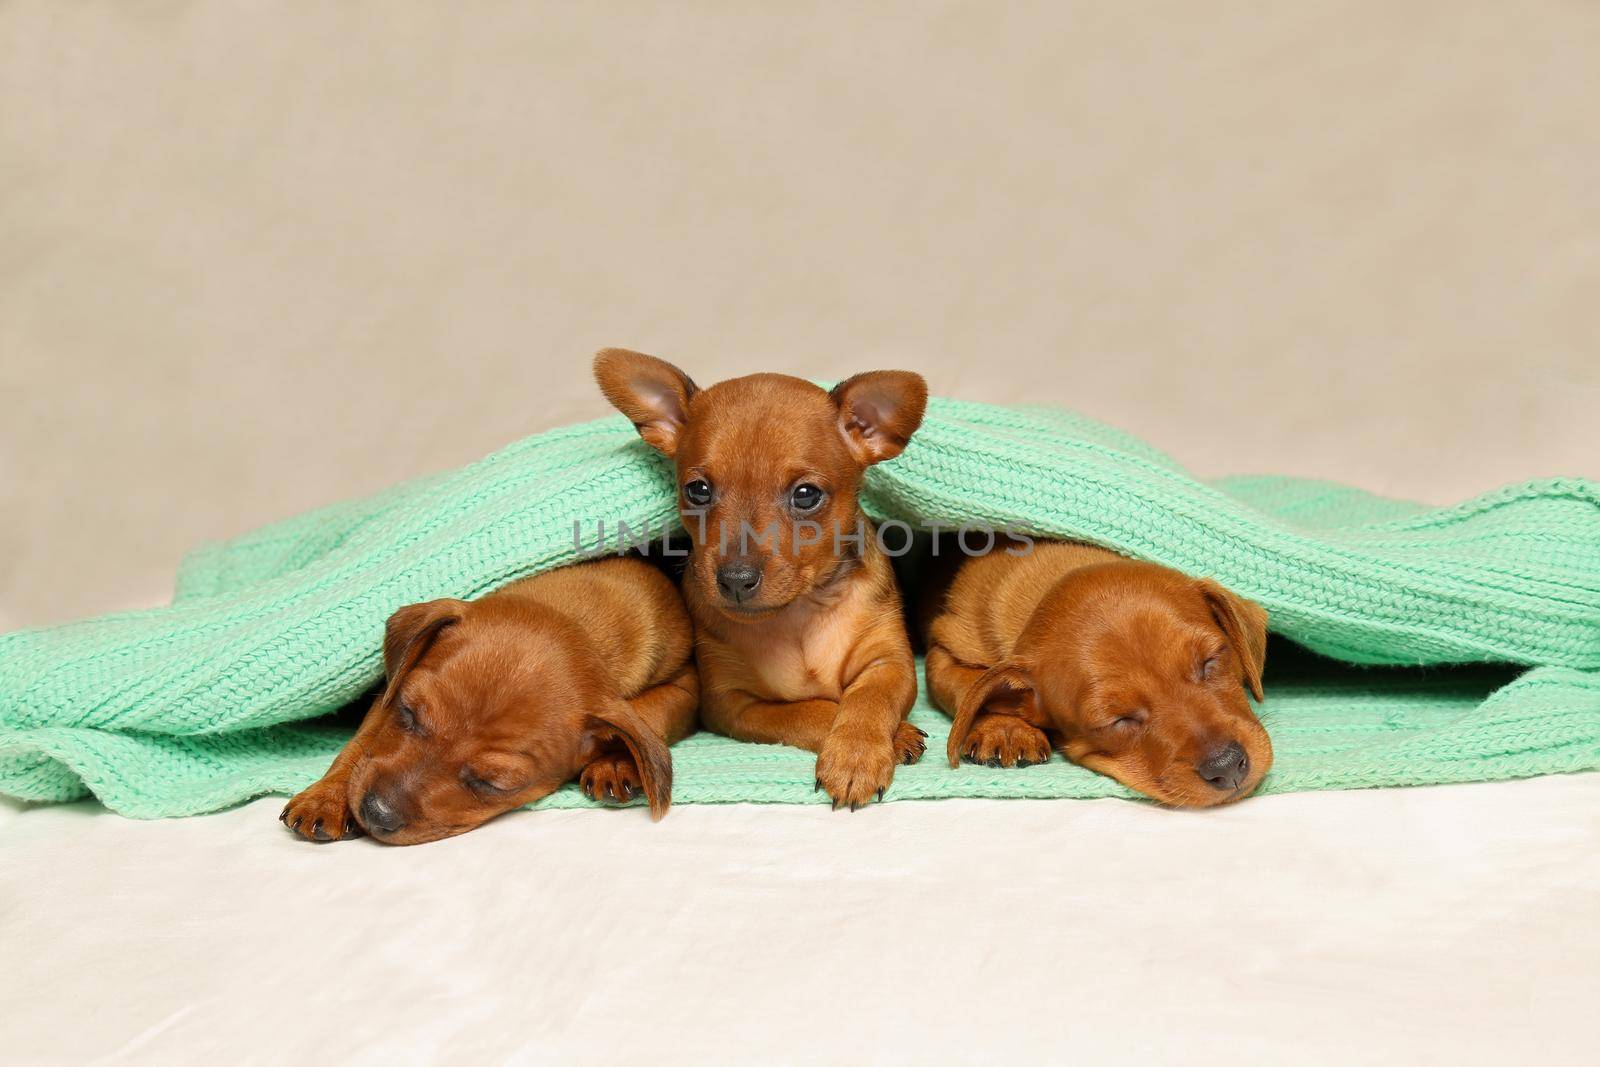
(697, 493)
(405, 717)
(806, 497)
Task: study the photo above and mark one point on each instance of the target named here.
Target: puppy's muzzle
(738, 581)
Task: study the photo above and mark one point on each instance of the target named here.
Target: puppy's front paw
(853, 770)
(1005, 741)
(612, 778)
(909, 743)
(320, 813)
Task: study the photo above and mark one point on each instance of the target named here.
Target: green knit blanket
(203, 703)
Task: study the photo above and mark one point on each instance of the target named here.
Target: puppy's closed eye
(483, 786)
(406, 717)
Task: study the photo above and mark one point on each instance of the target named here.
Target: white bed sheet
(1457, 923)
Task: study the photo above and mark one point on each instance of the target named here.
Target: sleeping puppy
(1134, 670)
(799, 631)
(583, 672)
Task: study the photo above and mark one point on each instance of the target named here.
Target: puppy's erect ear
(879, 411)
(1244, 623)
(619, 722)
(653, 394)
(1004, 689)
(409, 633)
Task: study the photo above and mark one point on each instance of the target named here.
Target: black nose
(378, 815)
(1225, 766)
(738, 580)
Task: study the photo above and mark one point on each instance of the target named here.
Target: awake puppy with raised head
(583, 672)
(1134, 670)
(799, 630)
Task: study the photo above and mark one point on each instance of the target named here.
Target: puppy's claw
(920, 730)
(818, 789)
(612, 778)
(880, 794)
(318, 813)
(1000, 741)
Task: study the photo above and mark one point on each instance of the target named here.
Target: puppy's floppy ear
(653, 394)
(409, 633)
(879, 411)
(1004, 689)
(1244, 623)
(619, 722)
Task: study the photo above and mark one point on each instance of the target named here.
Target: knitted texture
(198, 705)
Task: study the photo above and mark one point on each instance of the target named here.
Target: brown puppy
(799, 632)
(493, 703)
(1134, 670)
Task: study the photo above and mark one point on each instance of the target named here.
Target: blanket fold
(202, 703)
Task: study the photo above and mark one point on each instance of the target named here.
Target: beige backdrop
(255, 258)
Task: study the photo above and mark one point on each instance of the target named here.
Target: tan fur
(1134, 670)
(583, 672)
(818, 657)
